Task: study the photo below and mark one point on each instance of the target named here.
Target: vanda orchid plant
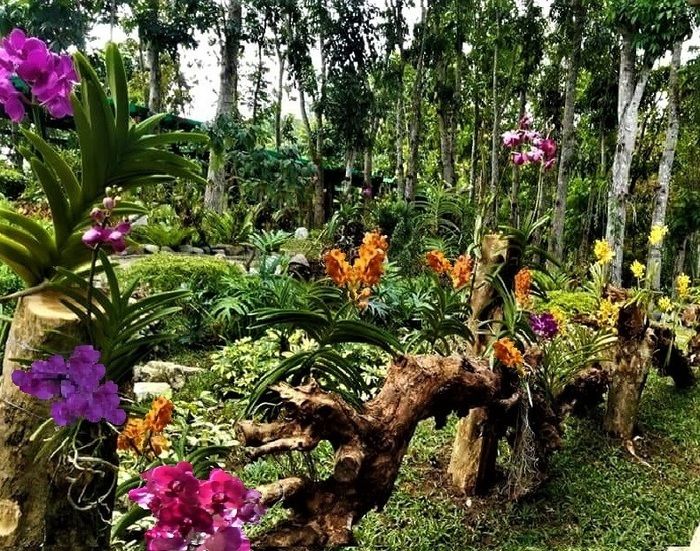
(89, 211)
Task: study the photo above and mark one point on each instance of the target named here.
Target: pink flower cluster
(529, 146)
(50, 76)
(101, 233)
(192, 514)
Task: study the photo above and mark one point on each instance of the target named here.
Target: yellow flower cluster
(683, 285)
(608, 313)
(638, 269)
(560, 317)
(460, 273)
(366, 270)
(603, 252)
(145, 436)
(657, 234)
(665, 304)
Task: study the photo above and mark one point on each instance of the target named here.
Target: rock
(301, 233)
(171, 373)
(151, 249)
(228, 250)
(149, 391)
(206, 249)
(299, 259)
(220, 256)
(134, 248)
(185, 249)
(140, 220)
(197, 250)
(166, 249)
(218, 251)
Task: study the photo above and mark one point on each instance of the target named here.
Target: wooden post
(473, 462)
(33, 490)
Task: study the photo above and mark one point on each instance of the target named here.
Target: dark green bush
(9, 281)
(12, 182)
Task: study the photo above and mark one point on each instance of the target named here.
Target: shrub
(231, 227)
(12, 182)
(9, 281)
(167, 272)
(162, 235)
(572, 302)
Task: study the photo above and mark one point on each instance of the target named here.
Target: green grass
(599, 498)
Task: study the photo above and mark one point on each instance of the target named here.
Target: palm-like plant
(115, 152)
(329, 328)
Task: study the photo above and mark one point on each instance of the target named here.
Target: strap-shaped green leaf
(26, 240)
(30, 226)
(120, 95)
(60, 210)
(66, 177)
(19, 259)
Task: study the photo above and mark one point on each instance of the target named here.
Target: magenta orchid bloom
(113, 237)
(519, 158)
(50, 77)
(208, 514)
(529, 146)
(511, 138)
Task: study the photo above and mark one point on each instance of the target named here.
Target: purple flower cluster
(544, 325)
(530, 146)
(50, 76)
(206, 515)
(74, 386)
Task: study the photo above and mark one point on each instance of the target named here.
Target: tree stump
(32, 493)
(629, 368)
(474, 452)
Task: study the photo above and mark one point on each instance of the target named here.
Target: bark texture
(629, 368)
(473, 461)
(632, 83)
(568, 145)
(369, 443)
(216, 192)
(658, 217)
(414, 130)
(38, 488)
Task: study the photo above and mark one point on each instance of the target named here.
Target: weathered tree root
(369, 443)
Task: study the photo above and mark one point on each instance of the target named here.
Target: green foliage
(9, 281)
(167, 272)
(571, 302)
(162, 235)
(119, 327)
(568, 354)
(12, 182)
(329, 329)
(115, 152)
(231, 227)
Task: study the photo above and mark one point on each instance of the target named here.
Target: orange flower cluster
(523, 285)
(145, 436)
(460, 272)
(366, 270)
(507, 353)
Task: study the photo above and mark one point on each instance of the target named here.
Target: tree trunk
(216, 192)
(281, 61)
(665, 166)
(155, 102)
(400, 180)
(632, 84)
(416, 115)
(568, 145)
(35, 486)
(515, 188)
(679, 266)
(473, 462)
(367, 171)
(324, 511)
(473, 188)
(495, 139)
(629, 367)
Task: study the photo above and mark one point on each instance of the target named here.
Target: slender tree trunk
(399, 173)
(155, 77)
(259, 76)
(665, 166)
(416, 115)
(632, 84)
(367, 171)
(515, 188)
(568, 146)
(216, 193)
(495, 137)
(473, 191)
(679, 266)
(281, 62)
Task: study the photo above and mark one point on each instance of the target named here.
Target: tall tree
(574, 21)
(666, 165)
(229, 32)
(647, 28)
